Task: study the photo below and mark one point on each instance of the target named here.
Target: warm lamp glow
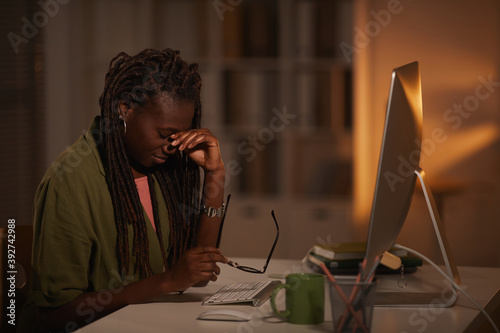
(462, 145)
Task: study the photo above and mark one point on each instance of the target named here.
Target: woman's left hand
(201, 146)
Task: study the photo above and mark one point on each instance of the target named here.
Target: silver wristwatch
(213, 212)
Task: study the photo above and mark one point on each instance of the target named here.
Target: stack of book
(346, 258)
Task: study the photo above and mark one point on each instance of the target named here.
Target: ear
(123, 109)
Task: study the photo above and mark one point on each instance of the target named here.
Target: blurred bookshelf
(282, 57)
(277, 93)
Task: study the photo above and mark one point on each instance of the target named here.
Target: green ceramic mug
(305, 298)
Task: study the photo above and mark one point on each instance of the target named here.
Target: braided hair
(136, 81)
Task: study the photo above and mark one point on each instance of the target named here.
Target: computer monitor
(398, 170)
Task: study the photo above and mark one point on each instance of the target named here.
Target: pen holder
(352, 304)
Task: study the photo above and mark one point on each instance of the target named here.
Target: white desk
(178, 313)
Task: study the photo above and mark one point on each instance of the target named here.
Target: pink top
(143, 189)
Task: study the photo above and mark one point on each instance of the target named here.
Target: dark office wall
(22, 108)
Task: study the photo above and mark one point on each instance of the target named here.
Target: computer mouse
(225, 315)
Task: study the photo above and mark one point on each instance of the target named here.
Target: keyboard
(255, 293)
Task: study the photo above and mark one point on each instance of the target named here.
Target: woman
(124, 215)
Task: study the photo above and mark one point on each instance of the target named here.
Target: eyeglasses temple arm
(222, 222)
(275, 241)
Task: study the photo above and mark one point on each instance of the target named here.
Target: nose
(168, 149)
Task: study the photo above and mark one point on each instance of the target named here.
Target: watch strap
(214, 212)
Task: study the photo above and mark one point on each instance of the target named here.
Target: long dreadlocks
(136, 80)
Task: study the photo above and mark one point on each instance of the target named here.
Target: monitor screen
(399, 158)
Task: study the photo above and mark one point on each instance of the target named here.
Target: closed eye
(165, 135)
(166, 132)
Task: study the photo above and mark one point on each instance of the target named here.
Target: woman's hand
(195, 266)
(201, 146)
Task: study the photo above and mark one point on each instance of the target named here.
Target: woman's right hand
(198, 264)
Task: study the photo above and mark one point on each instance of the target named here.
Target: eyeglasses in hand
(247, 268)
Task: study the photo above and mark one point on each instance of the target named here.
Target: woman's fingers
(196, 265)
(201, 146)
(204, 260)
(191, 138)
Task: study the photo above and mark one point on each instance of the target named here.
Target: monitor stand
(418, 299)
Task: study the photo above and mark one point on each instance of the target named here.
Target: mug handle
(285, 313)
